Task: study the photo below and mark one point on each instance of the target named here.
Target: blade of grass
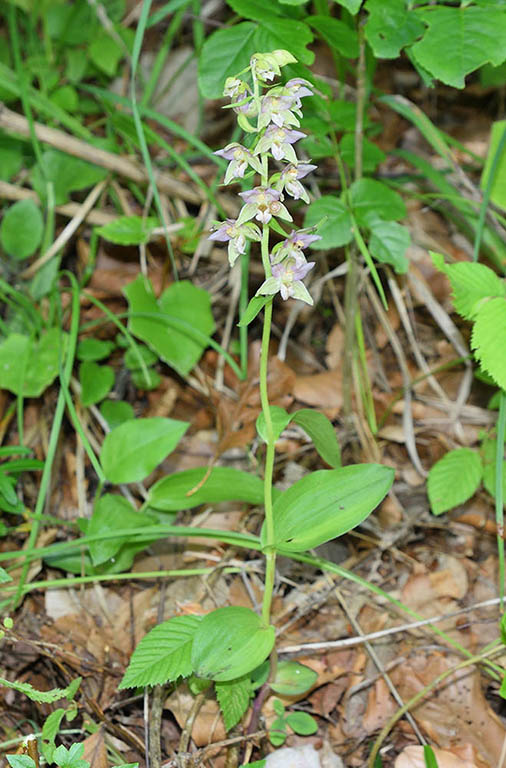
(139, 36)
(163, 52)
(487, 192)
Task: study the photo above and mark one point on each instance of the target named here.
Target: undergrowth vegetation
(236, 160)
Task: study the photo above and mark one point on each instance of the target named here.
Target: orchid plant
(230, 646)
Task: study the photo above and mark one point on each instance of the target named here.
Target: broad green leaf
(133, 450)
(105, 53)
(471, 284)
(337, 34)
(453, 479)
(96, 382)
(68, 174)
(225, 53)
(326, 504)
(66, 98)
(11, 157)
(71, 757)
(233, 697)
(113, 512)
(388, 244)
(229, 643)
(280, 419)
(164, 654)
(4, 576)
(352, 6)
(128, 230)
(372, 155)
(335, 230)
(293, 679)
(321, 432)
(302, 723)
(468, 36)
(488, 338)
(28, 367)
(255, 305)
(149, 382)
(71, 24)
(498, 188)
(50, 731)
(256, 10)
(390, 26)
(292, 2)
(181, 301)
(115, 412)
(21, 229)
(293, 36)
(20, 761)
(146, 355)
(371, 199)
(172, 493)
(94, 349)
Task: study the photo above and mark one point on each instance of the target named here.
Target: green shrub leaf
(388, 244)
(164, 654)
(113, 512)
(453, 479)
(96, 382)
(294, 36)
(302, 723)
(68, 174)
(498, 188)
(390, 27)
(233, 697)
(21, 230)
(293, 679)
(133, 450)
(224, 54)
(326, 504)
(280, 419)
(27, 366)
(128, 230)
(337, 34)
(471, 283)
(335, 229)
(489, 331)
(115, 412)
(469, 37)
(94, 349)
(223, 484)
(256, 10)
(371, 200)
(229, 643)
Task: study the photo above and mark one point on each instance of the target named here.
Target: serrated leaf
(453, 479)
(184, 303)
(487, 340)
(96, 382)
(225, 53)
(172, 493)
(133, 450)
(336, 227)
(43, 697)
(229, 643)
(327, 503)
(233, 697)
(471, 284)
(164, 654)
(371, 200)
(322, 433)
(21, 229)
(279, 418)
(390, 26)
(388, 244)
(128, 230)
(293, 36)
(469, 37)
(20, 761)
(337, 34)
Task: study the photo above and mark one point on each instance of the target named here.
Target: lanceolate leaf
(233, 697)
(489, 332)
(172, 493)
(326, 504)
(453, 479)
(133, 450)
(322, 433)
(163, 654)
(229, 643)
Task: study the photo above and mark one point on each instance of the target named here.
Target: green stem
(499, 501)
(270, 555)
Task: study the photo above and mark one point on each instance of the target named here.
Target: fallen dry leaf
(95, 751)
(413, 757)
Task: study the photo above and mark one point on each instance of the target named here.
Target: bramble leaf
(233, 697)
(487, 340)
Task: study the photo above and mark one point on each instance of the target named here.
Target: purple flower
(279, 141)
(262, 203)
(287, 279)
(293, 245)
(235, 234)
(266, 66)
(297, 87)
(235, 88)
(289, 180)
(276, 107)
(240, 158)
